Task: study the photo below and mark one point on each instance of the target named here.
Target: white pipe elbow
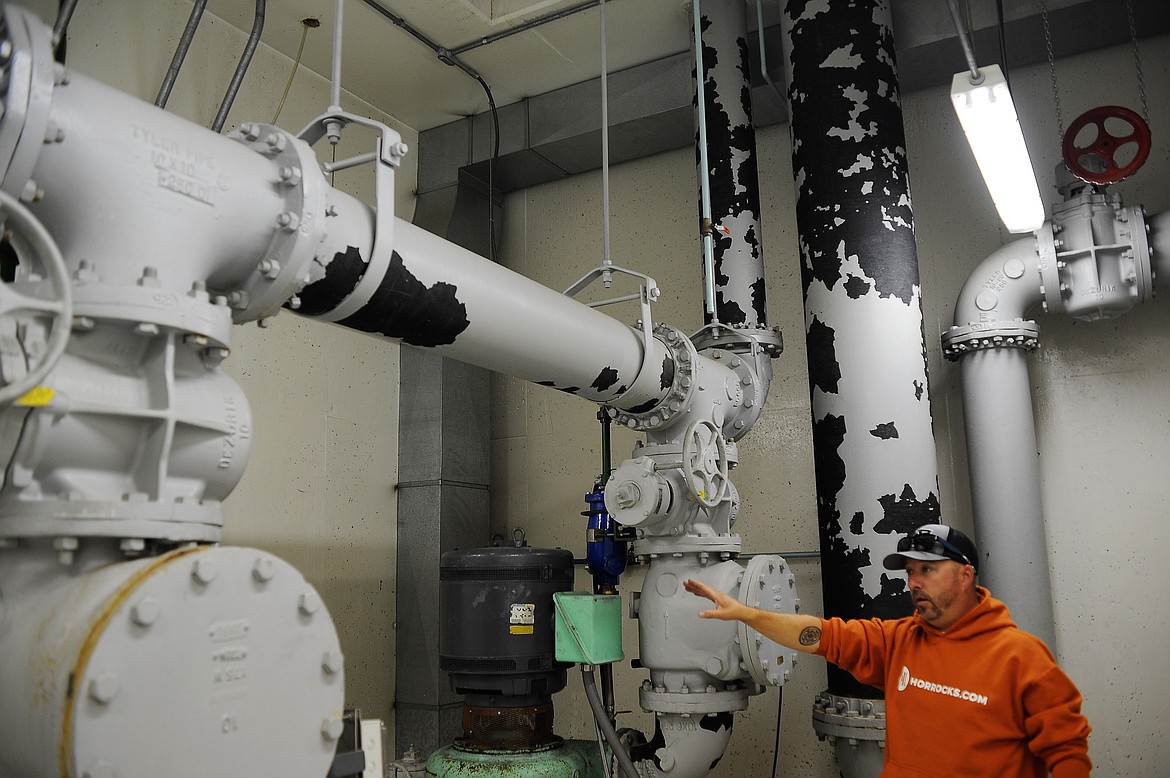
(1005, 286)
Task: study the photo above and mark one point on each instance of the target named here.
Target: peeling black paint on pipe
(605, 379)
(342, 275)
(714, 722)
(824, 372)
(733, 175)
(849, 157)
(905, 513)
(666, 379)
(869, 210)
(402, 307)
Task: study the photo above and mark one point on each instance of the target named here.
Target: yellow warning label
(521, 629)
(35, 398)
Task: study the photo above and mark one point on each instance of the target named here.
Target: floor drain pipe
(873, 444)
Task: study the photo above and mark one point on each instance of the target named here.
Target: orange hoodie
(982, 698)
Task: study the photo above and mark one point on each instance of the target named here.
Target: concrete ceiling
(392, 70)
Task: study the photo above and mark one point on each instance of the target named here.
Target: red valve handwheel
(1105, 145)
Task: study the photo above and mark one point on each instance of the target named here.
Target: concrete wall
(319, 488)
(1102, 407)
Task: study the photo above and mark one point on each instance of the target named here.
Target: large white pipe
(1072, 274)
(435, 294)
(992, 341)
(199, 207)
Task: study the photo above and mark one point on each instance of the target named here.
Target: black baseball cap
(934, 542)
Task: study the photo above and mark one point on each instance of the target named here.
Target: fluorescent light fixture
(989, 119)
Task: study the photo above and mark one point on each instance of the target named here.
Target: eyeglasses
(927, 541)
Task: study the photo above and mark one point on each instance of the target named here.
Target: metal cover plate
(767, 584)
(221, 662)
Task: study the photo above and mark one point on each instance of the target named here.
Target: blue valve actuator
(606, 556)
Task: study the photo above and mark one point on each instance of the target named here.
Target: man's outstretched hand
(793, 630)
(727, 608)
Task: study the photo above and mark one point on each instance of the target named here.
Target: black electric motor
(497, 641)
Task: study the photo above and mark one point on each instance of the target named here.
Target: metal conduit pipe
(64, 16)
(873, 443)
(242, 67)
(164, 91)
(604, 725)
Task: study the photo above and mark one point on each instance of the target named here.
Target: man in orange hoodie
(958, 665)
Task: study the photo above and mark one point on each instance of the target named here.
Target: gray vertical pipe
(873, 444)
(731, 160)
(1005, 485)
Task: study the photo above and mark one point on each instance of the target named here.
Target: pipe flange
(718, 548)
(697, 702)
(740, 339)
(849, 717)
(678, 399)
(29, 77)
(748, 353)
(194, 314)
(753, 374)
(298, 230)
(767, 584)
(961, 340)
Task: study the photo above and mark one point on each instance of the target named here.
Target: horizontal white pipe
(524, 329)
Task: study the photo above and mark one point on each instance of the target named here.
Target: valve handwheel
(1105, 145)
(28, 233)
(705, 463)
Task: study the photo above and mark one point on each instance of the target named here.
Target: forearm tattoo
(810, 636)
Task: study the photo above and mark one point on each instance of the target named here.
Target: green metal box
(588, 627)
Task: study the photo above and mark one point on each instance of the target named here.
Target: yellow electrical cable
(305, 25)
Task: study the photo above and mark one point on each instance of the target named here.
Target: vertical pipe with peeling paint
(731, 162)
(873, 444)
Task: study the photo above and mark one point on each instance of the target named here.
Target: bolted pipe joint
(856, 728)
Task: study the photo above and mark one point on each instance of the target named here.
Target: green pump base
(567, 759)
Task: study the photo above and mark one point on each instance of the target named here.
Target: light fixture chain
(1052, 71)
(1137, 61)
